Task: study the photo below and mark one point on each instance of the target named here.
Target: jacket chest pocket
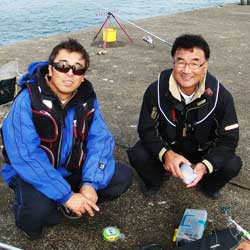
(206, 130)
(46, 126)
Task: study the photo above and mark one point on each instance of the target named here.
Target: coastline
(120, 78)
(87, 18)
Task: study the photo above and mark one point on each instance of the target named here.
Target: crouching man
(187, 116)
(58, 150)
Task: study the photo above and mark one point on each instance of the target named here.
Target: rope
(153, 246)
(239, 185)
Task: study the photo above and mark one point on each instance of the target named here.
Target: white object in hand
(188, 173)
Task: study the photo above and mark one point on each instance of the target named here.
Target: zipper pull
(184, 131)
(74, 128)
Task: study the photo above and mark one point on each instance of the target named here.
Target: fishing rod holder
(106, 25)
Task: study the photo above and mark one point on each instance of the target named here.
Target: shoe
(149, 190)
(34, 235)
(69, 214)
(212, 195)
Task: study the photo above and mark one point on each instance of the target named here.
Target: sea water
(26, 19)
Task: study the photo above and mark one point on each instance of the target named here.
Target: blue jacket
(29, 161)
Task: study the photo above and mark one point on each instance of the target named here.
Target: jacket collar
(174, 89)
(84, 91)
(208, 97)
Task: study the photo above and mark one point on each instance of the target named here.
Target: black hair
(189, 41)
(71, 45)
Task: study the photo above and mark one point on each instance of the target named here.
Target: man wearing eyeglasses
(187, 117)
(58, 150)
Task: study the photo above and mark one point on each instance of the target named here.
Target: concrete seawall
(120, 78)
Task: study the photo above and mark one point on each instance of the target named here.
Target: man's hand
(244, 245)
(172, 162)
(200, 169)
(89, 192)
(79, 204)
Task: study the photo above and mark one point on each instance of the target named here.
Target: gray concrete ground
(120, 78)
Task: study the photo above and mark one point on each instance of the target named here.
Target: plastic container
(188, 173)
(109, 35)
(192, 226)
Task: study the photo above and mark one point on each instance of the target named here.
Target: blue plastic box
(192, 226)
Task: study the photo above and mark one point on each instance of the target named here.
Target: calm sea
(25, 19)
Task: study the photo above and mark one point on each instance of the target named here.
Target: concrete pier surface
(120, 78)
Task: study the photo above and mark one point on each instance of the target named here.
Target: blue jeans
(33, 210)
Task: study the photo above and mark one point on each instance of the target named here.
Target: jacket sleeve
(99, 165)
(149, 122)
(27, 159)
(227, 132)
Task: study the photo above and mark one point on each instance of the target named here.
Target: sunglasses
(65, 67)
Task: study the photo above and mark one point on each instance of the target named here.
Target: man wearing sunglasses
(58, 150)
(187, 117)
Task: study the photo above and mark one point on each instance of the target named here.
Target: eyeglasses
(65, 67)
(192, 65)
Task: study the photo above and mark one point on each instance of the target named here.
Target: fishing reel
(149, 40)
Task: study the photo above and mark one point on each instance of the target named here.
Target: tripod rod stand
(110, 14)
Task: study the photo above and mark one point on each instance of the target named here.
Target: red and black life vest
(49, 123)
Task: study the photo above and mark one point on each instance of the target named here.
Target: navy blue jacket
(208, 126)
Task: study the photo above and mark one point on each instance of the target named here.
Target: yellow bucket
(109, 35)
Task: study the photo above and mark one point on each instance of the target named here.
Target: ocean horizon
(24, 19)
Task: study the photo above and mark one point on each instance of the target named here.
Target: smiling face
(66, 83)
(188, 78)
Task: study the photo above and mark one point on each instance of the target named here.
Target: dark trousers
(33, 210)
(151, 170)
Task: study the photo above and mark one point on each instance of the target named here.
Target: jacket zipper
(73, 142)
(60, 143)
(184, 131)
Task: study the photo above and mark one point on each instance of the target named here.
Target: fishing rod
(230, 221)
(8, 247)
(133, 24)
(148, 32)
